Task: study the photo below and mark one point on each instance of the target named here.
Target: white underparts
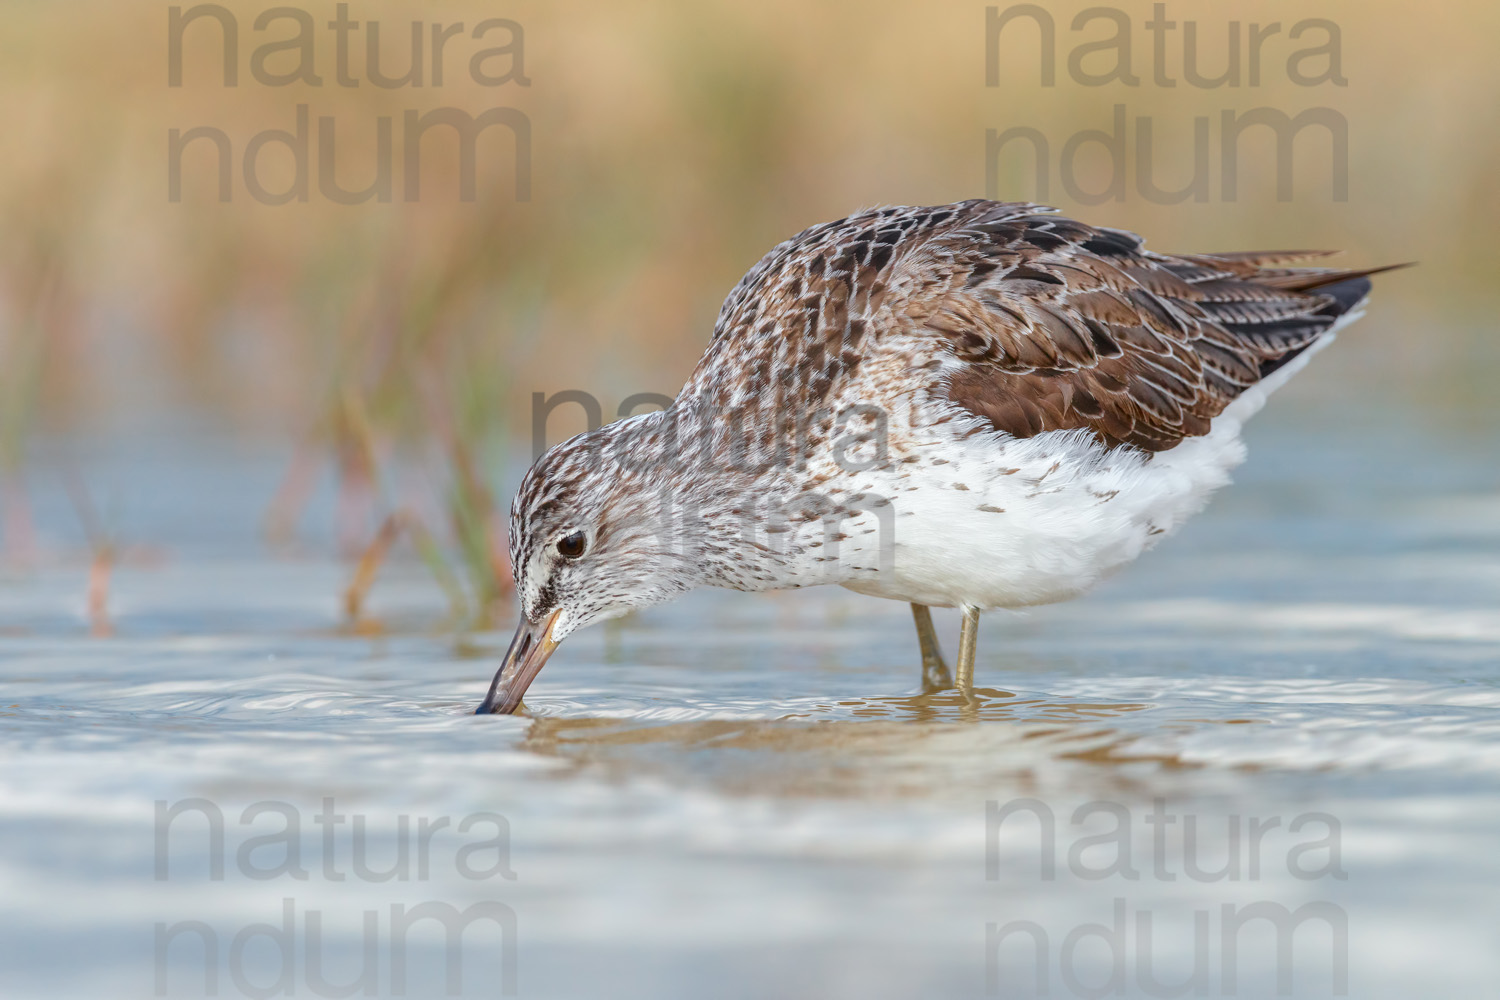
(998, 522)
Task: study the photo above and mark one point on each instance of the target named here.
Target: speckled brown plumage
(1053, 324)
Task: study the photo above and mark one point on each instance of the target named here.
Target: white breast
(997, 522)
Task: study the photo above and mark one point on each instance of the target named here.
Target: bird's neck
(740, 507)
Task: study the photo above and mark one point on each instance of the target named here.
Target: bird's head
(589, 541)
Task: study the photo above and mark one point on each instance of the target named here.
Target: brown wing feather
(1056, 324)
(1061, 325)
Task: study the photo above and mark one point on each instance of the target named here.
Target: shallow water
(740, 795)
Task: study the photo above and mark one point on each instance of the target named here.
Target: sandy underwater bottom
(1265, 761)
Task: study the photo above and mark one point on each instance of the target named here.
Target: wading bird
(979, 405)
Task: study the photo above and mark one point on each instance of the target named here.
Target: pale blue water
(736, 796)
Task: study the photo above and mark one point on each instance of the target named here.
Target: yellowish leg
(935, 676)
(968, 641)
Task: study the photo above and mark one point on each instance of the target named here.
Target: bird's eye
(572, 546)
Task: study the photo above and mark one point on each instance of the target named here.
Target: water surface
(1294, 703)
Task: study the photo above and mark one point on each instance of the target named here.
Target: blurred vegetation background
(671, 144)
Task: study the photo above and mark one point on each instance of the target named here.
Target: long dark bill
(524, 659)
